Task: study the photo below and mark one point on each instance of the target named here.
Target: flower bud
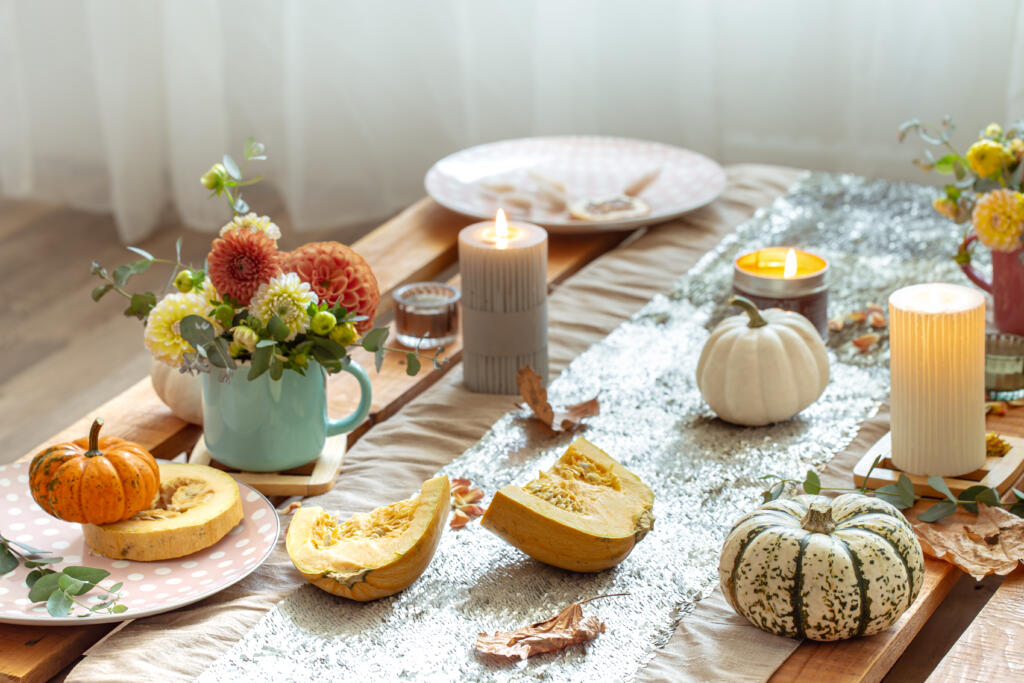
(323, 322)
(215, 177)
(224, 314)
(300, 360)
(236, 349)
(246, 337)
(183, 281)
(994, 131)
(344, 334)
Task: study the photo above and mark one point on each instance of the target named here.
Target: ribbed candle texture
(937, 366)
(504, 305)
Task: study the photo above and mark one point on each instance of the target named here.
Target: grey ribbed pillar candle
(504, 304)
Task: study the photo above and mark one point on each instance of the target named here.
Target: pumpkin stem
(818, 519)
(94, 437)
(756, 319)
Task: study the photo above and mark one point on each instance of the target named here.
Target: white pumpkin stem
(818, 519)
(756, 319)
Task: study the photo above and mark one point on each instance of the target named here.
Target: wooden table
(427, 234)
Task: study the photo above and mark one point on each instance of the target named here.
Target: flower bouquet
(984, 193)
(253, 305)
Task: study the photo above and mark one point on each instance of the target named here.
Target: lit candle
(504, 303)
(790, 279)
(937, 363)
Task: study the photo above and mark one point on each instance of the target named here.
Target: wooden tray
(309, 480)
(998, 473)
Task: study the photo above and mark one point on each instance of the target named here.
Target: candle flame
(501, 231)
(790, 269)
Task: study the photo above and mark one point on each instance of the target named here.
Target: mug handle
(964, 259)
(347, 424)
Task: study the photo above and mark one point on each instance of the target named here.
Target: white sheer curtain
(120, 105)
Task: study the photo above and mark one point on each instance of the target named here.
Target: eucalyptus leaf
(775, 491)
(1018, 494)
(944, 508)
(906, 487)
(59, 604)
(378, 358)
(265, 342)
(116, 587)
(118, 609)
(412, 364)
(891, 494)
(276, 367)
(812, 483)
(140, 305)
(197, 330)
(43, 587)
(7, 560)
(277, 329)
(332, 347)
(98, 292)
(231, 167)
(260, 361)
(219, 354)
(141, 252)
(32, 577)
(90, 574)
(981, 494)
(125, 271)
(99, 270)
(939, 484)
(71, 585)
(240, 206)
(374, 339)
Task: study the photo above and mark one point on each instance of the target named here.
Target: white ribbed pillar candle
(504, 304)
(937, 365)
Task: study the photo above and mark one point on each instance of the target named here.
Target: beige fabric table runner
(393, 459)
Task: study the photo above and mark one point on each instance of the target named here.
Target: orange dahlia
(337, 275)
(241, 261)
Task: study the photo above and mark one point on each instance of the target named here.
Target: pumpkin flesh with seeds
(195, 507)
(373, 554)
(585, 514)
(820, 568)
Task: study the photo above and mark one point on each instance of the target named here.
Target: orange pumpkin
(98, 480)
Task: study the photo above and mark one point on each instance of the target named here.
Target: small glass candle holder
(426, 314)
(1004, 366)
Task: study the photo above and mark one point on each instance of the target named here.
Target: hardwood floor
(61, 354)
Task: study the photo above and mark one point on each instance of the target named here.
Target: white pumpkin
(760, 367)
(820, 568)
(183, 393)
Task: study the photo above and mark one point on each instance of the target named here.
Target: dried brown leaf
(568, 627)
(865, 341)
(532, 389)
(876, 320)
(994, 544)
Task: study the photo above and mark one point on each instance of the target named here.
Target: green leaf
(945, 164)
(254, 150)
(71, 585)
(944, 508)
(197, 330)
(219, 355)
(276, 368)
(375, 339)
(906, 487)
(982, 494)
(43, 587)
(141, 252)
(939, 484)
(98, 270)
(892, 494)
(98, 293)
(1017, 509)
(265, 342)
(231, 167)
(32, 549)
(959, 172)
(277, 329)
(1019, 495)
(123, 272)
(59, 604)
(90, 574)
(412, 364)
(378, 358)
(260, 360)
(141, 305)
(240, 206)
(812, 483)
(312, 309)
(335, 349)
(32, 577)
(118, 609)
(116, 587)
(7, 560)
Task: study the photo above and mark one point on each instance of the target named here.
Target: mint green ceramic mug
(269, 426)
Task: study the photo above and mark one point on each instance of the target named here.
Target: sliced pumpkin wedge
(585, 514)
(372, 554)
(195, 507)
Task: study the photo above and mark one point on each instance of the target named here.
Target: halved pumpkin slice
(585, 514)
(372, 554)
(195, 507)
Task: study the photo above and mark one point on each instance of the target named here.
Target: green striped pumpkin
(822, 568)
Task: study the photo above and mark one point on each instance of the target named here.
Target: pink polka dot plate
(517, 175)
(149, 587)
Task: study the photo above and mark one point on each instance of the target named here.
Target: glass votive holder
(1004, 366)
(426, 314)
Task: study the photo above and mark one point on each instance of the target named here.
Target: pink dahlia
(337, 275)
(241, 261)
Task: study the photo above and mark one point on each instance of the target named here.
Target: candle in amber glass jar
(786, 278)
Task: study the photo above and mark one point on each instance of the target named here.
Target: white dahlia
(287, 297)
(254, 223)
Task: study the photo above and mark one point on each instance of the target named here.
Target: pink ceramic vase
(1006, 287)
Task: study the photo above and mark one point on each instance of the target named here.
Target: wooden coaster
(998, 473)
(309, 480)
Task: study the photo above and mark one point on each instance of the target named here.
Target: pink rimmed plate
(588, 166)
(149, 587)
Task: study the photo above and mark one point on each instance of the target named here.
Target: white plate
(588, 166)
(149, 587)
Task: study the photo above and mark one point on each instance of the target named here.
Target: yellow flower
(287, 297)
(986, 157)
(163, 327)
(254, 223)
(1016, 148)
(999, 220)
(994, 131)
(945, 206)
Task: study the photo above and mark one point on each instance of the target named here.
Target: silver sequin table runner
(877, 236)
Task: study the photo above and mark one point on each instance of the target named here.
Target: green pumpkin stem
(818, 519)
(94, 438)
(756, 319)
